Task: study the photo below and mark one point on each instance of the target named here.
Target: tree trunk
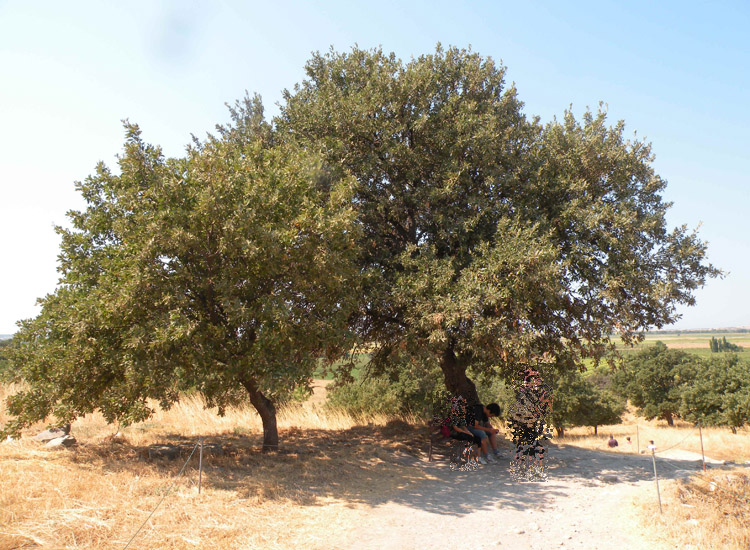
(267, 413)
(455, 377)
(734, 429)
(596, 432)
(560, 431)
(669, 419)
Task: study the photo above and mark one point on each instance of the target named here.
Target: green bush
(414, 389)
(368, 396)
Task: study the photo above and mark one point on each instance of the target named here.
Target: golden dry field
(98, 493)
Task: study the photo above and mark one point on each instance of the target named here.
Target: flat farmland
(696, 342)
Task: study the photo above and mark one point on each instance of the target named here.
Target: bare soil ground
(586, 503)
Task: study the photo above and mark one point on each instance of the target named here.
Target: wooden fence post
(703, 456)
(200, 467)
(653, 457)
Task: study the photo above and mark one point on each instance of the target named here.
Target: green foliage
(581, 401)
(488, 237)
(722, 345)
(410, 389)
(720, 394)
(654, 378)
(368, 396)
(354, 365)
(5, 372)
(228, 271)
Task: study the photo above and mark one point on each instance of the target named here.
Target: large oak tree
(227, 272)
(487, 237)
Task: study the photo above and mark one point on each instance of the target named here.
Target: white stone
(64, 441)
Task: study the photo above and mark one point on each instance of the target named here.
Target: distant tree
(653, 380)
(723, 345)
(728, 346)
(489, 237)
(578, 401)
(4, 362)
(229, 272)
(720, 394)
(605, 408)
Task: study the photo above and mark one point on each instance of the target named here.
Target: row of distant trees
(412, 206)
(660, 383)
(722, 345)
(667, 383)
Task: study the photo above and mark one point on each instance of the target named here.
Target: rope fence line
(169, 490)
(693, 432)
(692, 475)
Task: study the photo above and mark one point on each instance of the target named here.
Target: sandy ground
(586, 503)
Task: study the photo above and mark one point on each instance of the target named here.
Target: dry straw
(97, 494)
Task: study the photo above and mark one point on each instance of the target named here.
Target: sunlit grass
(696, 517)
(97, 494)
(709, 510)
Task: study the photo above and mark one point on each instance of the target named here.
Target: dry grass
(709, 510)
(718, 443)
(98, 493)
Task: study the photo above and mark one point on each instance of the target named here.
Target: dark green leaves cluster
(579, 401)
(653, 380)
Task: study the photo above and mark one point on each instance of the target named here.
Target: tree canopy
(654, 378)
(412, 205)
(488, 237)
(578, 401)
(228, 272)
(720, 394)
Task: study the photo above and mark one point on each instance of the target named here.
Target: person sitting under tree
(458, 428)
(478, 422)
(612, 443)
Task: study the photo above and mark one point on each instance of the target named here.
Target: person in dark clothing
(612, 443)
(478, 422)
(458, 428)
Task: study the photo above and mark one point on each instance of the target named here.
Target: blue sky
(678, 73)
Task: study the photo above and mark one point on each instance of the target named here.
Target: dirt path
(585, 504)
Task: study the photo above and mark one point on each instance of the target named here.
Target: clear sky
(678, 73)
